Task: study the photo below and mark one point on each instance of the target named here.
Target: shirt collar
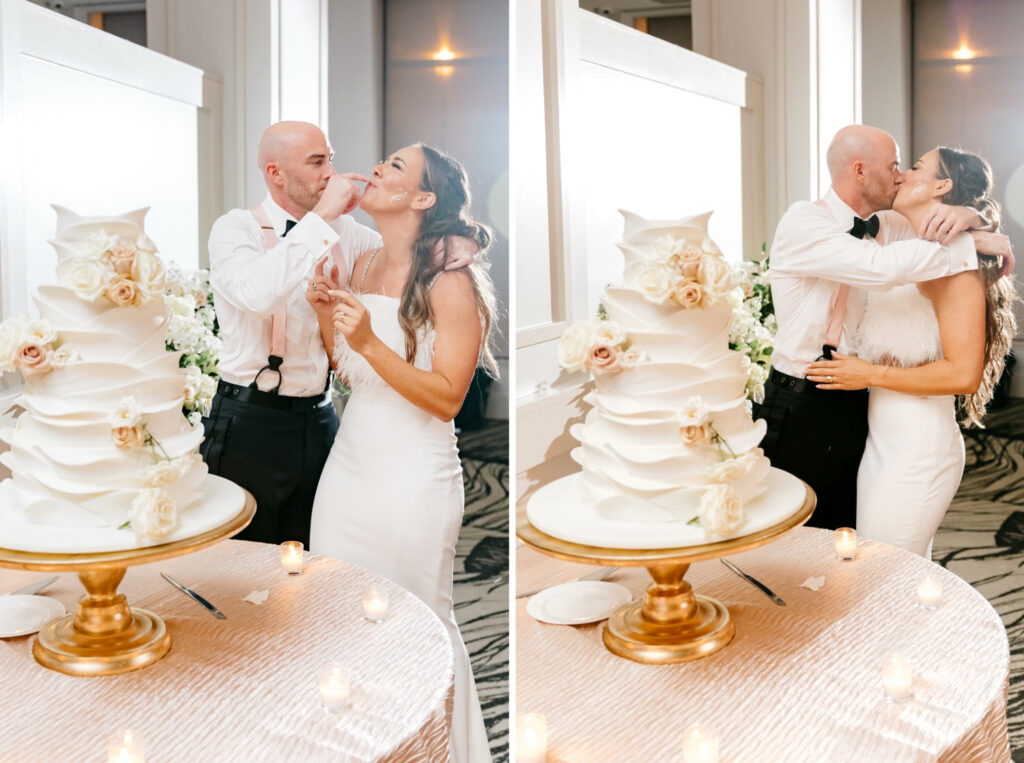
(277, 215)
(840, 210)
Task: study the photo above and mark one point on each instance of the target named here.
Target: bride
(920, 345)
(407, 340)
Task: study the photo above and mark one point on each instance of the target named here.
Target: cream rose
(715, 275)
(695, 435)
(687, 260)
(32, 357)
(10, 340)
(164, 473)
(193, 378)
(633, 357)
(122, 292)
(690, 295)
(576, 343)
(721, 511)
(604, 360)
(652, 279)
(729, 470)
(609, 333)
(87, 277)
(149, 273)
(153, 514)
(694, 413)
(128, 413)
(122, 256)
(62, 357)
(127, 437)
(39, 331)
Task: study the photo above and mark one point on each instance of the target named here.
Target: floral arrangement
(192, 330)
(124, 272)
(32, 346)
(600, 345)
(691, 276)
(753, 326)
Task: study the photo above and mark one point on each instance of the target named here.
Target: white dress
(914, 456)
(390, 499)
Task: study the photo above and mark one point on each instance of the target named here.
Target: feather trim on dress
(899, 328)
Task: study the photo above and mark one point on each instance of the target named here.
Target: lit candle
(291, 556)
(375, 604)
(531, 738)
(125, 747)
(334, 687)
(846, 543)
(897, 678)
(700, 745)
(929, 592)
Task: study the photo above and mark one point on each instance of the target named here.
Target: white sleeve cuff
(316, 234)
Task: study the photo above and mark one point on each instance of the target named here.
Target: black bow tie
(289, 224)
(862, 228)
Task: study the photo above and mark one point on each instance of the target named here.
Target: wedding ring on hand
(828, 379)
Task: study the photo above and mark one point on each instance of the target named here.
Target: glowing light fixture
(963, 52)
(964, 68)
(444, 54)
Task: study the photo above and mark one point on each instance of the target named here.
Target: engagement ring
(828, 379)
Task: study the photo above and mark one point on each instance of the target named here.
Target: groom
(839, 240)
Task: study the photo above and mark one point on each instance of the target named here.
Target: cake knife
(34, 588)
(754, 582)
(189, 592)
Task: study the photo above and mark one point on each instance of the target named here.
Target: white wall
(885, 64)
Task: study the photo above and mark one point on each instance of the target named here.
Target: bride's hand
(844, 372)
(353, 321)
(318, 294)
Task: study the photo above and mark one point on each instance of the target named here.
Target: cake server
(600, 574)
(754, 582)
(189, 592)
(34, 588)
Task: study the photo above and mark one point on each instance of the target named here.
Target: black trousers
(819, 436)
(275, 455)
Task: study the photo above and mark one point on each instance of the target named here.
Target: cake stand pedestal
(671, 623)
(106, 636)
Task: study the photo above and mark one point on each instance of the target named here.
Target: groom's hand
(943, 222)
(462, 251)
(995, 245)
(340, 196)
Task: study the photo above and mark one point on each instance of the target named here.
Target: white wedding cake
(668, 443)
(102, 456)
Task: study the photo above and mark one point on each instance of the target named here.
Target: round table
(800, 682)
(244, 687)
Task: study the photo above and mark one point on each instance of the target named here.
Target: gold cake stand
(671, 623)
(106, 636)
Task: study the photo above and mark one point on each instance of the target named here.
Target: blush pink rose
(32, 357)
(126, 437)
(121, 291)
(689, 295)
(603, 359)
(695, 435)
(121, 257)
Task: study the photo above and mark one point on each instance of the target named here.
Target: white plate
(21, 615)
(582, 601)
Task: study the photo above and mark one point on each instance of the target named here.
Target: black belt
(807, 387)
(270, 399)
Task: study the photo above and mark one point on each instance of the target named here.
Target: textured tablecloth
(245, 688)
(798, 683)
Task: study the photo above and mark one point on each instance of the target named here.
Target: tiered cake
(668, 449)
(102, 457)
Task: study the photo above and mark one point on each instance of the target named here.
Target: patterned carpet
(982, 537)
(481, 574)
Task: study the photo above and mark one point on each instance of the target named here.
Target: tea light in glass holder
(531, 738)
(929, 592)
(846, 544)
(897, 679)
(700, 745)
(291, 556)
(375, 604)
(125, 747)
(334, 687)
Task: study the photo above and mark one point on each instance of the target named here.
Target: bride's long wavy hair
(449, 216)
(972, 187)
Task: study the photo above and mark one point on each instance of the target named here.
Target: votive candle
(897, 678)
(334, 687)
(929, 592)
(846, 543)
(125, 747)
(375, 604)
(700, 745)
(531, 738)
(291, 556)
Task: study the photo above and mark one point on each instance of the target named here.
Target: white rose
(207, 389)
(153, 514)
(128, 413)
(179, 305)
(195, 418)
(162, 473)
(193, 378)
(39, 331)
(721, 511)
(62, 356)
(715, 275)
(694, 413)
(86, 276)
(633, 357)
(10, 341)
(729, 470)
(609, 333)
(149, 273)
(664, 248)
(575, 346)
(652, 279)
(99, 245)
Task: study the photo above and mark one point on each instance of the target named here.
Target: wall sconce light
(963, 53)
(444, 54)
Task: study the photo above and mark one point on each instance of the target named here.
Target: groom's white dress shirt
(813, 253)
(250, 282)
